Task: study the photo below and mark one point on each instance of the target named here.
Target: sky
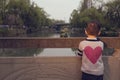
(58, 9)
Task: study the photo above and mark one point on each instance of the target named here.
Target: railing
(34, 42)
(52, 68)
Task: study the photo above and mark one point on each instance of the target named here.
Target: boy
(92, 65)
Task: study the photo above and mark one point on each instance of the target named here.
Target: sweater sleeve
(79, 50)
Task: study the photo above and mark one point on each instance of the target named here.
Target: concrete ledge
(52, 68)
(45, 68)
(35, 42)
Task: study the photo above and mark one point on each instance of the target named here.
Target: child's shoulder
(83, 41)
(91, 40)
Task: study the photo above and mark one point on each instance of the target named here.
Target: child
(92, 65)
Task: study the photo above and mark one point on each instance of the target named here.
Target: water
(57, 51)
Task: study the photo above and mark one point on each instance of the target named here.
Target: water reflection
(57, 52)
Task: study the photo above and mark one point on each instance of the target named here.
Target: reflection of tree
(20, 52)
(108, 14)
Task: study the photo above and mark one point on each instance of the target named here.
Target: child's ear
(86, 32)
(99, 33)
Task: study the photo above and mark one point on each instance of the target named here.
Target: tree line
(23, 14)
(108, 14)
(26, 14)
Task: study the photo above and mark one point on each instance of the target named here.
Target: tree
(3, 3)
(84, 5)
(81, 18)
(75, 19)
(113, 13)
(30, 15)
(87, 13)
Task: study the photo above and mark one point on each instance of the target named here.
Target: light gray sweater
(92, 56)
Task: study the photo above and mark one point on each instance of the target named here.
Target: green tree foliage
(2, 10)
(86, 13)
(107, 14)
(75, 18)
(84, 5)
(23, 13)
(113, 13)
(32, 16)
(91, 14)
(80, 19)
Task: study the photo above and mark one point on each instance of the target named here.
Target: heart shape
(93, 54)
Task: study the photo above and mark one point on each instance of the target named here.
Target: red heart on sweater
(93, 54)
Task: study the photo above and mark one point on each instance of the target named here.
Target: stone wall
(52, 68)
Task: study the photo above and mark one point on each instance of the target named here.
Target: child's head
(93, 28)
